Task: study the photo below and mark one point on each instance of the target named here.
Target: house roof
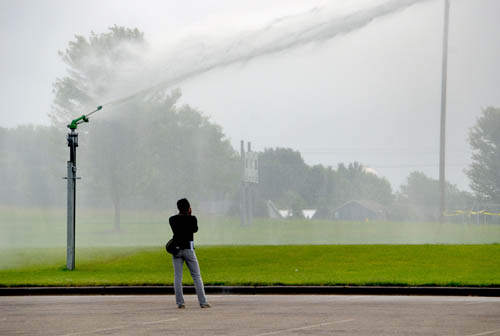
(370, 205)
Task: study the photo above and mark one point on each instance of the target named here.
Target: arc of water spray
(286, 36)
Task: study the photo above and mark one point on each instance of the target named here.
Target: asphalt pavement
(250, 315)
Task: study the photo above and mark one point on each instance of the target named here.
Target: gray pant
(192, 263)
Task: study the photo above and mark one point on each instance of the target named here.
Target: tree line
(129, 164)
(151, 150)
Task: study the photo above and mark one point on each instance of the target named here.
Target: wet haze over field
(370, 95)
(339, 81)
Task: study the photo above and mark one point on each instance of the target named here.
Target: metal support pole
(442, 142)
(71, 197)
(243, 200)
(71, 204)
(70, 244)
(249, 196)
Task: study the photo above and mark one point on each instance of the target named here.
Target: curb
(255, 290)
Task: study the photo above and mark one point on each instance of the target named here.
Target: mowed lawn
(414, 265)
(35, 228)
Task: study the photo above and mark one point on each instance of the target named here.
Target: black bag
(171, 247)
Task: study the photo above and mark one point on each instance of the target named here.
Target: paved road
(250, 315)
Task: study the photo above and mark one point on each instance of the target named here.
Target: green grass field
(416, 265)
(47, 228)
(297, 252)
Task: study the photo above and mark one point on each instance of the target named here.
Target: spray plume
(316, 25)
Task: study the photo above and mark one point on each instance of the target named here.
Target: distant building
(276, 213)
(360, 211)
(308, 213)
(286, 213)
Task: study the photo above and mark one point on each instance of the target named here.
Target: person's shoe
(181, 306)
(205, 305)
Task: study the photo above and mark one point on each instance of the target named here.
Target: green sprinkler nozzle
(75, 122)
(83, 118)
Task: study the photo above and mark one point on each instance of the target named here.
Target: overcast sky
(371, 95)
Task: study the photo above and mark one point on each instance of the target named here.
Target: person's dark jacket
(183, 227)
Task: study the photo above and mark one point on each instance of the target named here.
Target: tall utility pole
(243, 191)
(250, 194)
(442, 141)
(249, 177)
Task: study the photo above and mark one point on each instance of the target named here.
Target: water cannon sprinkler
(71, 202)
(84, 118)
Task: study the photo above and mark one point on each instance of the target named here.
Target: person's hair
(183, 205)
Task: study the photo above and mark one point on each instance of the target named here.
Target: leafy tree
(28, 159)
(5, 164)
(147, 151)
(282, 175)
(93, 67)
(421, 190)
(287, 180)
(484, 171)
(355, 183)
(318, 188)
(419, 198)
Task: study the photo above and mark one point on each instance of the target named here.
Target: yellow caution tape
(470, 212)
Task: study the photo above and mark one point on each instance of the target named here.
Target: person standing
(184, 225)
